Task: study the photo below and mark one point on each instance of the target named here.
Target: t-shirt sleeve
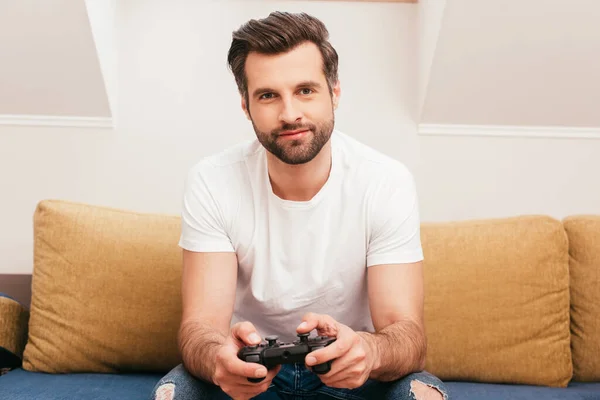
(203, 225)
(395, 234)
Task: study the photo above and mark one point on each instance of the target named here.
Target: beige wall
(48, 60)
(516, 62)
(429, 16)
(483, 177)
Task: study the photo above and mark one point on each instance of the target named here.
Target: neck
(299, 182)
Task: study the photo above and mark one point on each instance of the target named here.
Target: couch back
(512, 300)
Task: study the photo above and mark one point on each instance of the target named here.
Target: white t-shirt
(300, 256)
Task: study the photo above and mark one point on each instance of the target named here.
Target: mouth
(294, 134)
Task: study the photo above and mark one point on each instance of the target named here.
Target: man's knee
(421, 391)
(166, 391)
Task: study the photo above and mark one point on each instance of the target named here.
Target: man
(303, 229)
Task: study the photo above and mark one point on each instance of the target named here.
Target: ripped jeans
(295, 381)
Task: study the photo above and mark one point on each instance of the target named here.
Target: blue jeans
(295, 381)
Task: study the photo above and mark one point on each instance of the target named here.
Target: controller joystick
(274, 353)
(304, 337)
(272, 340)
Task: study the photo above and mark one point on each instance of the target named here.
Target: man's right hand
(231, 374)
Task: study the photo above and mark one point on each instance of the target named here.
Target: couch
(512, 306)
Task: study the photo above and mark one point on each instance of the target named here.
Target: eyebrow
(310, 84)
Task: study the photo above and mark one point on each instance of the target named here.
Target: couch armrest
(13, 332)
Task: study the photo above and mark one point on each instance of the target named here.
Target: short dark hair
(279, 33)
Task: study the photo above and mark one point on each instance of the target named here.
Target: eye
(266, 96)
(306, 91)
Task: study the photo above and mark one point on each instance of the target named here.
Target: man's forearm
(398, 349)
(198, 344)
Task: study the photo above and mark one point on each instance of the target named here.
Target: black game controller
(274, 353)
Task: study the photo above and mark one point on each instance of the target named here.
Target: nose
(290, 112)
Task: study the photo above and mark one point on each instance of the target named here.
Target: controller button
(253, 358)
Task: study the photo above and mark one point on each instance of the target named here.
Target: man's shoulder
(227, 162)
(370, 164)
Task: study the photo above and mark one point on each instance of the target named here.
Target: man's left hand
(353, 357)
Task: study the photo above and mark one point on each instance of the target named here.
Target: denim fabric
(295, 381)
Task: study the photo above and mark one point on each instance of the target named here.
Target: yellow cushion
(105, 290)
(497, 300)
(13, 329)
(584, 249)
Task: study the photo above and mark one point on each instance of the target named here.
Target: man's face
(289, 102)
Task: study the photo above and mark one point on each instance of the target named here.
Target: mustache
(293, 127)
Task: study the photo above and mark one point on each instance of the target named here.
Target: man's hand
(353, 357)
(231, 374)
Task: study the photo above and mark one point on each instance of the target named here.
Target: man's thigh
(179, 384)
(416, 386)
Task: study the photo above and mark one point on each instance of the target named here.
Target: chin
(297, 158)
(301, 161)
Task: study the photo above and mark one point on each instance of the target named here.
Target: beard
(298, 151)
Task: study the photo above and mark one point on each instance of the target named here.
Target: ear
(245, 108)
(336, 92)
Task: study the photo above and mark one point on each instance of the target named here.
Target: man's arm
(208, 296)
(399, 343)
